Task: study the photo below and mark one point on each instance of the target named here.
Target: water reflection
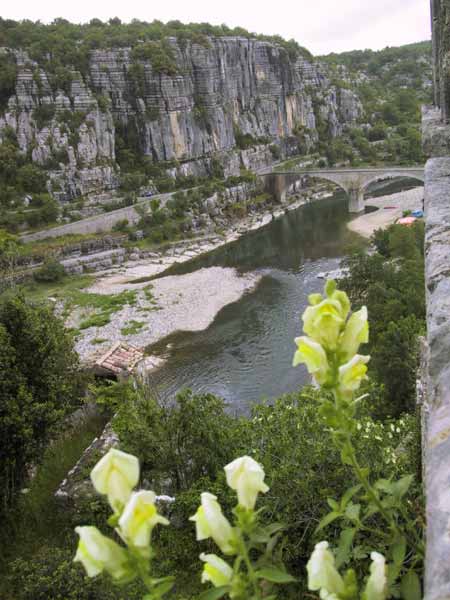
(314, 231)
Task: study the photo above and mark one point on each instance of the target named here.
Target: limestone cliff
(220, 92)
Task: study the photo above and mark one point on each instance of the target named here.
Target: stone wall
(437, 403)
(436, 399)
(95, 224)
(440, 22)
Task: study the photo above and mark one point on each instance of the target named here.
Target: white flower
(216, 570)
(139, 518)
(211, 523)
(313, 356)
(322, 573)
(115, 475)
(246, 477)
(376, 587)
(97, 553)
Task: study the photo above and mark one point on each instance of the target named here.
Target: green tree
(40, 382)
(32, 178)
(191, 439)
(395, 356)
(16, 432)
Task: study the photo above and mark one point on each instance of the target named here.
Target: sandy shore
(178, 302)
(390, 208)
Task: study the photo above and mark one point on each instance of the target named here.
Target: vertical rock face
(216, 94)
(440, 19)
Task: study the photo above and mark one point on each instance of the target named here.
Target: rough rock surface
(437, 407)
(233, 86)
(440, 17)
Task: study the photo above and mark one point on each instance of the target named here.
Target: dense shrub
(40, 384)
(184, 445)
(43, 114)
(51, 271)
(391, 284)
(8, 74)
(52, 575)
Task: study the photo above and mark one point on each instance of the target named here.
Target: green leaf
(214, 593)
(274, 528)
(352, 511)
(410, 586)
(329, 518)
(344, 547)
(360, 552)
(274, 575)
(163, 587)
(399, 551)
(346, 456)
(333, 504)
(349, 495)
(385, 486)
(371, 510)
(401, 486)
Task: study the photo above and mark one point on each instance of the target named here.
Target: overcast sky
(321, 25)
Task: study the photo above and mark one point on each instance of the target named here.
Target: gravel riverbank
(170, 303)
(390, 208)
(174, 303)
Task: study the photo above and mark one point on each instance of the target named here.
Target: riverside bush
(391, 284)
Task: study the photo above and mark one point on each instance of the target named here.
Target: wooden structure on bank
(119, 361)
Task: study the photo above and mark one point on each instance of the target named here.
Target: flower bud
(97, 553)
(115, 475)
(376, 587)
(322, 573)
(352, 373)
(216, 570)
(356, 333)
(246, 477)
(313, 356)
(211, 523)
(139, 518)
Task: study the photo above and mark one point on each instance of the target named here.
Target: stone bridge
(352, 181)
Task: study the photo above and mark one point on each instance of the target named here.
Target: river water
(245, 355)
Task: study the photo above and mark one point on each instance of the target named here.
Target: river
(245, 355)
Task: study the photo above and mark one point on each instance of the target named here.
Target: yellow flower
(97, 553)
(246, 477)
(352, 373)
(322, 573)
(139, 518)
(356, 333)
(216, 570)
(323, 322)
(211, 523)
(376, 587)
(343, 299)
(313, 356)
(115, 475)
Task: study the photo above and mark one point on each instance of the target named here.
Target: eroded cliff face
(219, 93)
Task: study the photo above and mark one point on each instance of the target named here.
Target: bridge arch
(393, 175)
